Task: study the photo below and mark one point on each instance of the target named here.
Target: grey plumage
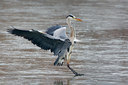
(63, 52)
(44, 41)
(54, 39)
(51, 30)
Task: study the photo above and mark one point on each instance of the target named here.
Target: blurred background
(102, 54)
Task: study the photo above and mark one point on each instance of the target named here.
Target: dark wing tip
(10, 30)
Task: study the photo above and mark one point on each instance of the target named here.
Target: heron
(54, 39)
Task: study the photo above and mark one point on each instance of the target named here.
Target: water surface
(102, 54)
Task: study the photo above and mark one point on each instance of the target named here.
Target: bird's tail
(59, 61)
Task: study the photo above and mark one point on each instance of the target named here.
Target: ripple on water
(101, 55)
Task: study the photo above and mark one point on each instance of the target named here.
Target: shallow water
(102, 54)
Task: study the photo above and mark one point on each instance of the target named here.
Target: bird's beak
(77, 19)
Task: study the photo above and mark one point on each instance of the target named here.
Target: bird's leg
(68, 60)
(76, 74)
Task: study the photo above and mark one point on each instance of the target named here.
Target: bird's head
(72, 17)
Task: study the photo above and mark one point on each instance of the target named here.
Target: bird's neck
(72, 33)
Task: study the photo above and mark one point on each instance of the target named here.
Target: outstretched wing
(44, 41)
(59, 32)
(51, 30)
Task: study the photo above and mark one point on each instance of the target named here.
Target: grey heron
(54, 39)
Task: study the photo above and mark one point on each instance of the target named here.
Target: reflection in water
(61, 82)
(58, 83)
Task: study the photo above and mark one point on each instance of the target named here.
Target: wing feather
(44, 41)
(59, 32)
(51, 30)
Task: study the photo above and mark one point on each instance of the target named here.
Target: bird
(54, 39)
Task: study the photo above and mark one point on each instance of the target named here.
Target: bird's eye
(73, 17)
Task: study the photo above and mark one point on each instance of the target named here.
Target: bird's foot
(60, 64)
(77, 74)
